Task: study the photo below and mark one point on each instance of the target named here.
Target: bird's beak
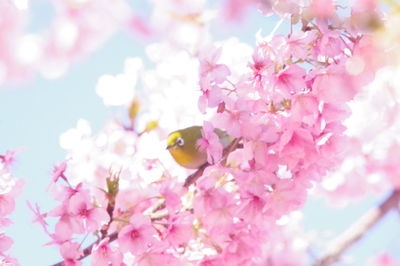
(170, 146)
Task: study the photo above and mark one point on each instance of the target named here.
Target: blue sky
(34, 115)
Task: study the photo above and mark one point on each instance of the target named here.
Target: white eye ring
(180, 142)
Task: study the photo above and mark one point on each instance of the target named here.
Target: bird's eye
(180, 142)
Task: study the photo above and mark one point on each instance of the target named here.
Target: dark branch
(357, 230)
(191, 179)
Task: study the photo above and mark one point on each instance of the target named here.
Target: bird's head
(175, 140)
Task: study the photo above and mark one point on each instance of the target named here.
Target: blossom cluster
(288, 112)
(283, 102)
(371, 168)
(10, 188)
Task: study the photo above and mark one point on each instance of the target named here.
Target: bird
(183, 147)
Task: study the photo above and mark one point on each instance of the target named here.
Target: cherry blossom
(210, 143)
(105, 255)
(6, 243)
(82, 210)
(138, 236)
(71, 252)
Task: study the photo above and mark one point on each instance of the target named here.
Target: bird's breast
(188, 159)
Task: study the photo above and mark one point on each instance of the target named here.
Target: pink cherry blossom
(210, 143)
(65, 228)
(9, 157)
(81, 208)
(150, 258)
(323, 8)
(334, 84)
(180, 229)
(231, 122)
(260, 65)
(10, 261)
(286, 8)
(330, 44)
(63, 193)
(297, 44)
(212, 96)
(235, 9)
(215, 207)
(5, 243)
(210, 70)
(59, 171)
(138, 201)
(252, 205)
(212, 261)
(289, 80)
(7, 204)
(103, 254)
(305, 109)
(171, 192)
(71, 253)
(211, 74)
(239, 243)
(282, 200)
(137, 236)
(40, 218)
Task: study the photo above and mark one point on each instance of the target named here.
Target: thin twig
(357, 230)
(196, 175)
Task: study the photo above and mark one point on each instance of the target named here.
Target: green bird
(182, 144)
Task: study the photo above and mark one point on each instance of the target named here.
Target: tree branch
(357, 230)
(196, 175)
